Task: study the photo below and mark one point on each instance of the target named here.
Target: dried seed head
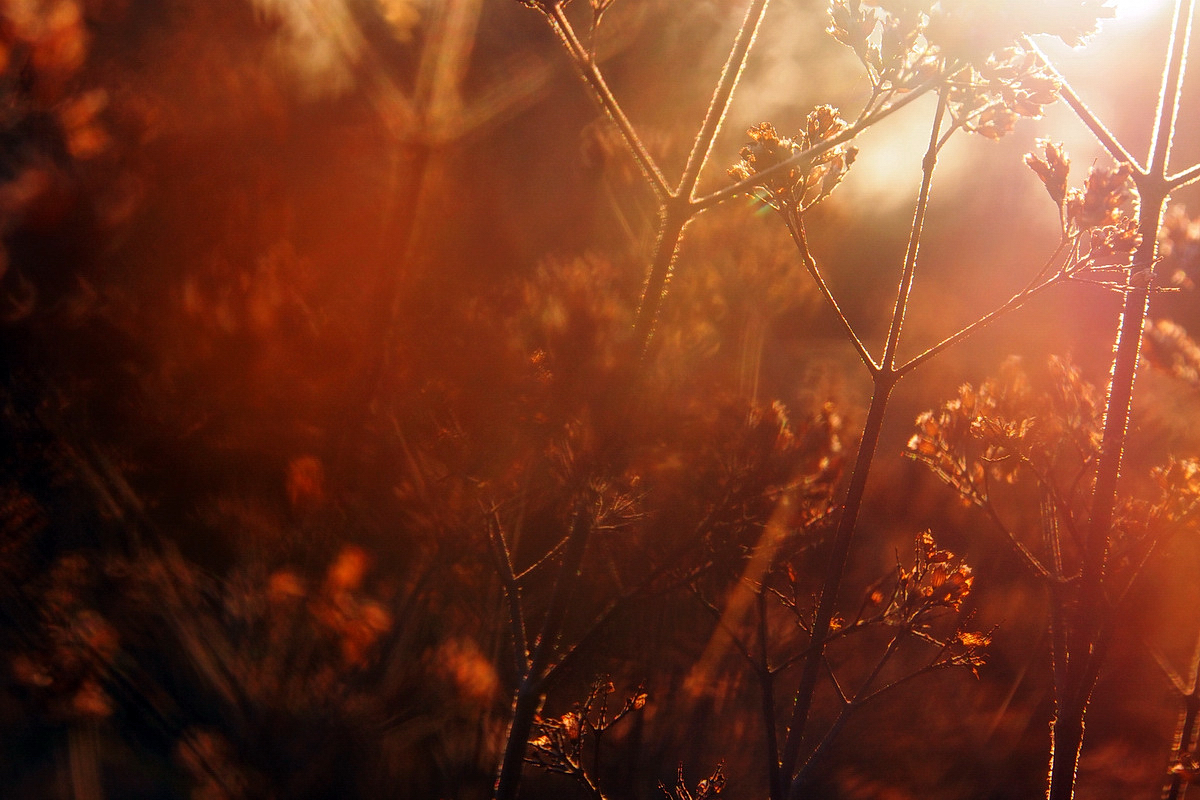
(1052, 166)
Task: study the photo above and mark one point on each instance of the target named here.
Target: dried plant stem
(1088, 624)
(1187, 732)
(1093, 123)
(537, 669)
(888, 363)
(1082, 666)
(884, 378)
(512, 592)
(676, 209)
(848, 706)
(589, 71)
(530, 689)
(795, 227)
(835, 571)
(1187, 176)
(676, 206)
(1016, 301)
(1187, 725)
(674, 217)
(722, 96)
(766, 685)
(679, 206)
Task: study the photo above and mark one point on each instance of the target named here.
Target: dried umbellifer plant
(987, 74)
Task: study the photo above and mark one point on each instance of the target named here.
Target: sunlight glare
(1136, 9)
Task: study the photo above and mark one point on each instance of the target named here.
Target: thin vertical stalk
(722, 96)
(823, 620)
(884, 381)
(591, 75)
(914, 240)
(674, 217)
(1093, 123)
(675, 211)
(1187, 726)
(1172, 88)
(1083, 656)
(678, 207)
(1116, 419)
(512, 593)
(530, 691)
(1082, 669)
(766, 685)
(1187, 731)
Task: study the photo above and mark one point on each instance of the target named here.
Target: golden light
(1132, 9)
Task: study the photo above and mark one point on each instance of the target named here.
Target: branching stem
(1089, 622)
(884, 381)
(721, 98)
(591, 75)
(530, 689)
(1085, 114)
(795, 227)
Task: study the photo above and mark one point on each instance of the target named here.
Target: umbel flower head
(790, 183)
(1102, 216)
(993, 79)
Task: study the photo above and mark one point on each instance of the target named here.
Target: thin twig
(1184, 178)
(590, 72)
(1172, 88)
(1085, 114)
(1012, 304)
(512, 591)
(795, 227)
(746, 185)
(1030, 290)
(530, 689)
(721, 98)
(724, 626)
(908, 272)
(884, 381)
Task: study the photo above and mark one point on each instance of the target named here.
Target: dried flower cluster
(889, 40)
(925, 596)
(1100, 219)
(908, 34)
(1005, 430)
(706, 788)
(1010, 84)
(560, 744)
(793, 182)
(938, 581)
(1045, 443)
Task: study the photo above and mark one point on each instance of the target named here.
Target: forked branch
(588, 69)
(1094, 124)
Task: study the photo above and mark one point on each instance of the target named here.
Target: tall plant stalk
(534, 664)
(1090, 624)
(676, 209)
(1183, 755)
(884, 377)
